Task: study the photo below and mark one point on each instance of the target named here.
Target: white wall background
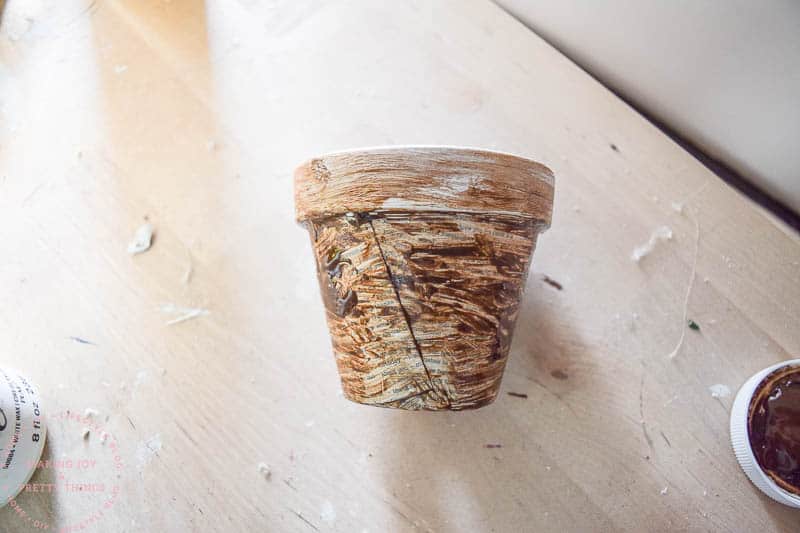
(725, 74)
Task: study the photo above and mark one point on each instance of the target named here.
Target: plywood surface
(193, 115)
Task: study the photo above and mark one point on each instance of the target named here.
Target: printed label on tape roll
(22, 433)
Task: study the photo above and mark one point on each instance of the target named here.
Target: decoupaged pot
(422, 255)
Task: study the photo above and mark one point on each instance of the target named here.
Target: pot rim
(423, 178)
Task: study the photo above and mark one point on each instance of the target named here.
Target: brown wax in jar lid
(773, 426)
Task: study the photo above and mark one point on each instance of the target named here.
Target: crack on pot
(405, 314)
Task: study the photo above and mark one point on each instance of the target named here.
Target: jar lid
(22, 433)
(740, 435)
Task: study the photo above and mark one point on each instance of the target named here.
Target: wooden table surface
(193, 115)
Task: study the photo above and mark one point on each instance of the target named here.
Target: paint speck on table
(147, 450)
(327, 513)
(719, 391)
(142, 239)
(141, 379)
(264, 470)
(661, 233)
(184, 313)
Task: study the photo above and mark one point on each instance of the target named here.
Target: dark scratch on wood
(130, 422)
(614, 147)
(401, 513)
(517, 394)
(641, 416)
(553, 283)
(91, 6)
(556, 395)
(33, 193)
(492, 445)
(186, 433)
(82, 341)
(304, 519)
(665, 439)
(89, 11)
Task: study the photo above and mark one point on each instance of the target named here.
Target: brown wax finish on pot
(422, 255)
(774, 427)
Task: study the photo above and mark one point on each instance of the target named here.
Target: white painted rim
(741, 441)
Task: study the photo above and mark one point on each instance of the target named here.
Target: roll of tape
(22, 433)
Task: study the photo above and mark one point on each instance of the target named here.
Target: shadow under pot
(422, 255)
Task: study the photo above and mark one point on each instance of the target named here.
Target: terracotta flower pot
(422, 255)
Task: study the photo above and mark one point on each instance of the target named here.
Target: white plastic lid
(741, 440)
(22, 433)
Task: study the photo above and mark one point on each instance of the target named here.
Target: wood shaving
(661, 233)
(719, 391)
(185, 313)
(187, 275)
(141, 378)
(264, 470)
(147, 450)
(142, 240)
